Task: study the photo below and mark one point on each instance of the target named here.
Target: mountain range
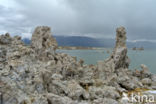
(94, 42)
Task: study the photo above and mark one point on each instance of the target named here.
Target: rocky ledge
(36, 74)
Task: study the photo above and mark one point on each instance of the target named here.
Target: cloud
(94, 18)
(12, 21)
(26, 35)
(104, 16)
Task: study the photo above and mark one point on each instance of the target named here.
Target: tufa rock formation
(42, 39)
(36, 74)
(120, 51)
(119, 59)
(44, 43)
(5, 39)
(120, 37)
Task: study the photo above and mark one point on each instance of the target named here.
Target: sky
(93, 18)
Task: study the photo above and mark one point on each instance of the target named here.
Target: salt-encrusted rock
(119, 59)
(120, 37)
(37, 74)
(5, 39)
(107, 69)
(75, 91)
(58, 87)
(17, 40)
(55, 99)
(42, 39)
(145, 71)
(35, 99)
(81, 62)
(146, 81)
(106, 66)
(144, 68)
(153, 77)
(120, 52)
(105, 91)
(3, 54)
(105, 101)
(56, 77)
(129, 83)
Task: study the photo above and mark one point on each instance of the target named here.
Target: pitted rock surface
(36, 74)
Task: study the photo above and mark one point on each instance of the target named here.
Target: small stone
(146, 81)
(57, 77)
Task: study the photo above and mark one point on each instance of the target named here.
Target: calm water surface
(147, 57)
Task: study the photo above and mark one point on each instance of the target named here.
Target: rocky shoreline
(36, 74)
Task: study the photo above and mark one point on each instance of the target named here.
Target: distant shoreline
(79, 48)
(91, 48)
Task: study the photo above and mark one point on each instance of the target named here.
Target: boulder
(17, 40)
(146, 81)
(55, 99)
(105, 91)
(129, 83)
(145, 73)
(153, 77)
(75, 91)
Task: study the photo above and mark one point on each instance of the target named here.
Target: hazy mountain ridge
(94, 42)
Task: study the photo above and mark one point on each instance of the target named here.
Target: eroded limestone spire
(119, 59)
(120, 37)
(119, 55)
(42, 38)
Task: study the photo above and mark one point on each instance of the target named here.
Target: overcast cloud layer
(94, 18)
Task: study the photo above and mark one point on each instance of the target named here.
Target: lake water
(147, 57)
